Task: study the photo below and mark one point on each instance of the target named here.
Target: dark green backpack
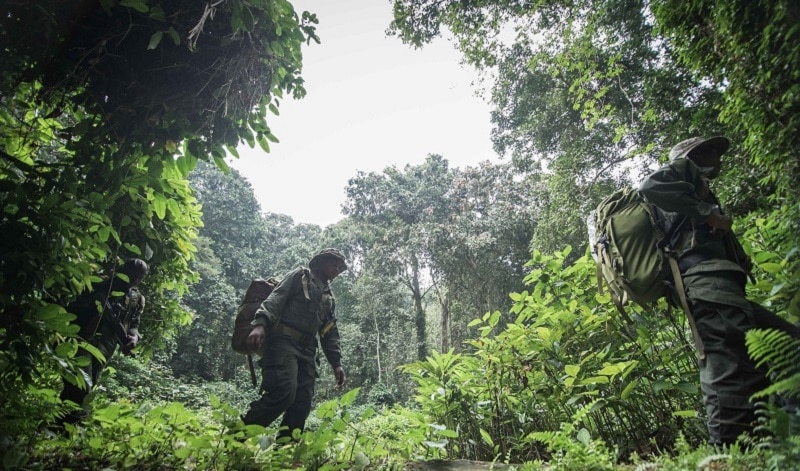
(629, 249)
(256, 293)
(633, 255)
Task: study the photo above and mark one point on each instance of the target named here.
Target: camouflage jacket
(681, 193)
(305, 303)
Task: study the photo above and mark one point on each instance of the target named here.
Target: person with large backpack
(298, 311)
(714, 270)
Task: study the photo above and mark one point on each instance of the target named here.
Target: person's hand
(132, 340)
(256, 338)
(338, 372)
(720, 223)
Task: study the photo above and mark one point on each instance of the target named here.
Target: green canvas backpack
(633, 255)
(629, 250)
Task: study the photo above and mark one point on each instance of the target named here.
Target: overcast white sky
(372, 102)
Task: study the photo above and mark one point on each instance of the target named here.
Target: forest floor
(445, 465)
(468, 465)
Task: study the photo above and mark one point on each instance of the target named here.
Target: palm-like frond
(780, 352)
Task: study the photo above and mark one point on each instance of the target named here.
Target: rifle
(110, 316)
(252, 370)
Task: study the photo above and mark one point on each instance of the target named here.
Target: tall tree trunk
(419, 317)
(444, 323)
(377, 347)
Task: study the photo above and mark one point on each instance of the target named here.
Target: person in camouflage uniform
(126, 308)
(714, 270)
(299, 309)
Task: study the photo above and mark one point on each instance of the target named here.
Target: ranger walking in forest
(300, 308)
(108, 316)
(714, 269)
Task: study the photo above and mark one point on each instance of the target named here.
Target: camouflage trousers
(289, 373)
(728, 377)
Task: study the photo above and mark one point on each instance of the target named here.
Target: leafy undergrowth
(170, 436)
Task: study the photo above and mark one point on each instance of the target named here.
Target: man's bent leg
(279, 386)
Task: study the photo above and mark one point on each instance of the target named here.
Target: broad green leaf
(155, 39)
(160, 206)
(771, 267)
(349, 396)
(176, 38)
(595, 380)
(263, 143)
(486, 437)
(610, 370)
(584, 437)
(661, 385)
(687, 387)
(138, 5)
(182, 452)
(572, 370)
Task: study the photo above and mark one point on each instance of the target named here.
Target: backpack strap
(619, 300)
(304, 282)
(676, 275)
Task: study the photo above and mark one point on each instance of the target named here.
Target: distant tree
(233, 223)
(394, 206)
(479, 249)
(202, 348)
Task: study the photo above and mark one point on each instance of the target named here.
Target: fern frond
(780, 352)
(776, 349)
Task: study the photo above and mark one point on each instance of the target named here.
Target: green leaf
(629, 389)
(160, 206)
(771, 267)
(221, 164)
(66, 349)
(183, 452)
(176, 38)
(155, 39)
(596, 380)
(103, 233)
(661, 385)
(572, 370)
(157, 13)
(138, 5)
(486, 437)
(349, 396)
(610, 370)
(263, 143)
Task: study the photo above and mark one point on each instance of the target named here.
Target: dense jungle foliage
(471, 321)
